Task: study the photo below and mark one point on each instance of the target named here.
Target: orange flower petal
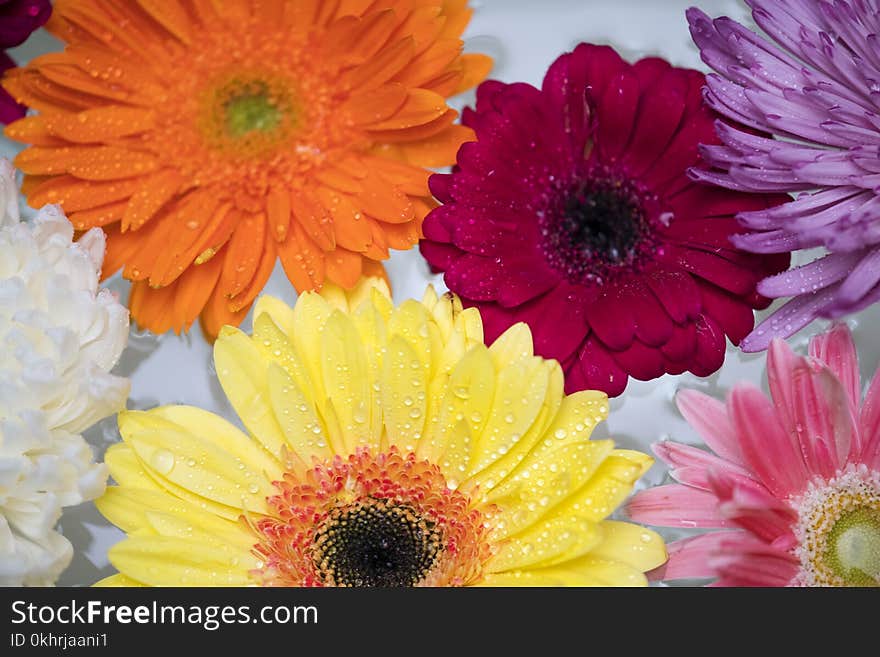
(303, 262)
(188, 221)
(243, 254)
(421, 107)
(99, 64)
(217, 314)
(100, 216)
(312, 217)
(370, 107)
(267, 263)
(438, 151)
(458, 15)
(419, 132)
(170, 15)
(100, 123)
(476, 68)
(430, 63)
(74, 194)
(385, 202)
(341, 180)
(152, 308)
(344, 268)
(194, 289)
(153, 193)
(32, 130)
(411, 180)
(402, 236)
(278, 212)
(349, 223)
(55, 69)
(381, 68)
(121, 248)
(87, 162)
(216, 235)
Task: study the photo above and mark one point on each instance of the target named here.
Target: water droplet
(163, 461)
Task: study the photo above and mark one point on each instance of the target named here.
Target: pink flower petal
(709, 417)
(689, 558)
(837, 351)
(675, 505)
(691, 465)
(745, 561)
(823, 421)
(771, 452)
(752, 507)
(869, 423)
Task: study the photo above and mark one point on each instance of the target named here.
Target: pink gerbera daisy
(794, 483)
(573, 212)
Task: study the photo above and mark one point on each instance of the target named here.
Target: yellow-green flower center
(251, 111)
(249, 114)
(838, 530)
(854, 547)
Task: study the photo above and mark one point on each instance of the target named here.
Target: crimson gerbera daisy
(573, 212)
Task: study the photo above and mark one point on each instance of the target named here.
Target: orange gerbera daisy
(209, 137)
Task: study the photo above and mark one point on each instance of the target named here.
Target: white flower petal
(60, 335)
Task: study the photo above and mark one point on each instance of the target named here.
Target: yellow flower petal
(547, 542)
(468, 397)
(242, 374)
(404, 394)
(345, 376)
(310, 314)
(130, 509)
(275, 309)
(295, 414)
(117, 581)
(512, 345)
(549, 577)
(609, 486)
(607, 572)
(276, 346)
(194, 463)
(545, 480)
(519, 396)
(166, 561)
(126, 468)
(222, 434)
(489, 477)
(371, 327)
(630, 544)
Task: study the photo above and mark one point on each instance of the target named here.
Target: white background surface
(524, 37)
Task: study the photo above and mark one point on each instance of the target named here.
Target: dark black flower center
(377, 543)
(598, 227)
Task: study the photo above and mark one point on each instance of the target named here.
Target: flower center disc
(249, 112)
(838, 531)
(854, 547)
(376, 543)
(248, 115)
(601, 227)
(371, 519)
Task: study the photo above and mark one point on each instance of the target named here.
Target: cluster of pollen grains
(838, 530)
(248, 107)
(387, 519)
(601, 225)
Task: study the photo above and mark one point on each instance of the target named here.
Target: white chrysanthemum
(59, 338)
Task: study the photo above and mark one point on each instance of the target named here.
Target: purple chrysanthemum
(817, 89)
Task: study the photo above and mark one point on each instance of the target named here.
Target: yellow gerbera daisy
(388, 447)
